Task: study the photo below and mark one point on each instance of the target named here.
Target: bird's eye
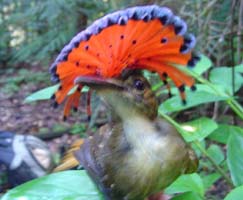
(138, 84)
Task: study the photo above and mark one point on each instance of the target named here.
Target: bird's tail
(69, 161)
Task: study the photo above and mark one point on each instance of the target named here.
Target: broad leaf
(216, 153)
(71, 185)
(235, 194)
(42, 94)
(239, 68)
(174, 104)
(46, 93)
(210, 179)
(222, 76)
(235, 157)
(187, 183)
(188, 196)
(222, 133)
(198, 129)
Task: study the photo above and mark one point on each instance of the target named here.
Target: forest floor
(38, 118)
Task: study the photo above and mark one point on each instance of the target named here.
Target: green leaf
(198, 129)
(187, 183)
(210, 179)
(46, 93)
(235, 157)
(174, 104)
(239, 68)
(222, 76)
(235, 194)
(203, 65)
(216, 153)
(42, 94)
(188, 196)
(68, 185)
(222, 133)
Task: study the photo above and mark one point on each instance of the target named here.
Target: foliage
(54, 186)
(218, 143)
(35, 30)
(216, 24)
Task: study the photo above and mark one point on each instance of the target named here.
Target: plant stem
(234, 105)
(199, 146)
(217, 168)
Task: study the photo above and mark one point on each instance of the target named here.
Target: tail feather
(69, 161)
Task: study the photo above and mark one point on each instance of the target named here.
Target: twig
(239, 34)
(232, 51)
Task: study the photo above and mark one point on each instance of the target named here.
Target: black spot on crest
(76, 44)
(165, 75)
(182, 88)
(146, 18)
(135, 16)
(183, 48)
(165, 82)
(55, 104)
(163, 19)
(187, 40)
(86, 47)
(122, 21)
(184, 102)
(87, 36)
(196, 58)
(163, 40)
(191, 63)
(134, 41)
(53, 97)
(79, 89)
(65, 57)
(178, 29)
(193, 88)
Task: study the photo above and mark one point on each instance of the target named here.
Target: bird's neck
(140, 131)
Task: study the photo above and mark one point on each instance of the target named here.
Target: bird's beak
(99, 82)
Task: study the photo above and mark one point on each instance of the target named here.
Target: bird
(131, 157)
(136, 154)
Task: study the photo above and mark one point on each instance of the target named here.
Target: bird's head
(128, 96)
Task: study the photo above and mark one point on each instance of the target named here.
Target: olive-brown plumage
(137, 154)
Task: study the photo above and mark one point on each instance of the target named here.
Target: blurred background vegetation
(34, 31)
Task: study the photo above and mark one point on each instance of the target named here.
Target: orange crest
(143, 37)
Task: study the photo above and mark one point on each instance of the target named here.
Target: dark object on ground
(24, 156)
